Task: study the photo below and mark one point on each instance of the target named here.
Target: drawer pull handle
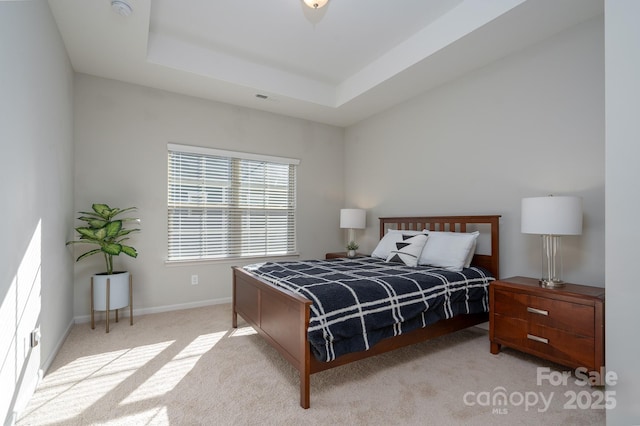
(538, 339)
(537, 311)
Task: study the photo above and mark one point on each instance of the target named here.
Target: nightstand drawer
(571, 317)
(556, 345)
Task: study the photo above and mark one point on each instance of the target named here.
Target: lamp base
(551, 283)
(551, 262)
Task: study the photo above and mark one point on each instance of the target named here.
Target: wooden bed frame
(282, 317)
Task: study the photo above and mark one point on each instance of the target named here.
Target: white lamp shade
(352, 218)
(552, 215)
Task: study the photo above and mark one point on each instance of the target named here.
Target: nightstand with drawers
(563, 325)
(341, 254)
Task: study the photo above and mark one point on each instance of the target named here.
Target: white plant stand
(107, 304)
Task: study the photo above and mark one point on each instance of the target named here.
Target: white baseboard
(154, 310)
(47, 363)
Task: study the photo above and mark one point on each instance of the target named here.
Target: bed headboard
(453, 224)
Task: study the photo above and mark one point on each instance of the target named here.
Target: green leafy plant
(352, 245)
(107, 232)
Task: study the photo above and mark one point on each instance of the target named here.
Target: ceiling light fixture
(121, 7)
(315, 4)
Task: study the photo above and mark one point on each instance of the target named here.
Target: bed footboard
(280, 316)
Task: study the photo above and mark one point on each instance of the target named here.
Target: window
(224, 204)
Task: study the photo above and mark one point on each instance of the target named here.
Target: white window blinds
(224, 204)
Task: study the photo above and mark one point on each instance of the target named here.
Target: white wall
(121, 134)
(622, 41)
(36, 189)
(530, 124)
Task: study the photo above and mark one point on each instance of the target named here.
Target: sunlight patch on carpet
(78, 385)
(173, 371)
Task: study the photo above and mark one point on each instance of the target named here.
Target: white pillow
(449, 250)
(408, 250)
(388, 242)
(472, 252)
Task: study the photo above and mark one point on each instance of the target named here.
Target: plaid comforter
(358, 302)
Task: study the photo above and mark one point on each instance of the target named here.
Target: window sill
(229, 260)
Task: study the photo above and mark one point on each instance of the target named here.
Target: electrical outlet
(194, 280)
(35, 337)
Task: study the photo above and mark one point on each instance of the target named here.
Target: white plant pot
(119, 291)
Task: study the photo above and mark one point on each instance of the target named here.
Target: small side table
(341, 254)
(108, 310)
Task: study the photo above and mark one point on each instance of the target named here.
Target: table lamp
(552, 217)
(352, 219)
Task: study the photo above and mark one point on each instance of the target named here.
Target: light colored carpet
(190, 367)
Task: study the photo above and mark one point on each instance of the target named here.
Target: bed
(282, 317)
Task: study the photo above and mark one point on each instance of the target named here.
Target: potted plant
(106, 230)
(352, 246)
